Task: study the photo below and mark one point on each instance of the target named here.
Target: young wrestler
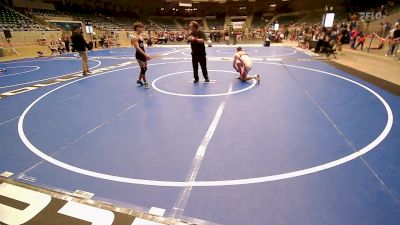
(243, 65)
(141, 56)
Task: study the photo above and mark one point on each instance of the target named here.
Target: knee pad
(143, 70)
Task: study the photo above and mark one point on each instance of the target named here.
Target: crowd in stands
(320, 39)
(107, 40)
(305, 29)
(348, 29)
(227, 36)
(167, 37)
(64, 44)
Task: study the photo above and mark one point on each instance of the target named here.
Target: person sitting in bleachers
(53, 47)
(66, 41)
(149, 42)
(40, 54)
(104, 41)
(267, 42)
(61, 47)
(109, 41)
(42, 39)
(180, 37)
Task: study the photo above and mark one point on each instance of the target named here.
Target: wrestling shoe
(139, 82)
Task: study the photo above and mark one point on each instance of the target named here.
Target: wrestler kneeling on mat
(243, 65)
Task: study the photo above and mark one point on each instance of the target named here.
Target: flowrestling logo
(370, 15)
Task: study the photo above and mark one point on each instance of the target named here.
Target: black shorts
(140, 57)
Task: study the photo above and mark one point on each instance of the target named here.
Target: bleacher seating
(185, 23)
(100, 23)
(126, 23)
(313, 18)
(47, 13)
(288, 20)
(117, 24)
(150, 26)
(166, 23)
(200, 23)
(341, 16)
(218, 24)
(259, 22)
(11, 20)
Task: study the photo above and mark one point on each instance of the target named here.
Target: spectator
(42, 39)
(380, 45)
(234, 37)
(386, 29)
(226, 38)
(345, 36)
(281, 37)
(103, 41)
(61, 46)
(361, 41)
(353, 37)
(286, 33)
(339, 42)
(53, 47)
(65, 39)
(334, 33)
(320, 41)
(393, 38)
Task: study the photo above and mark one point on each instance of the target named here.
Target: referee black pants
(196, 59)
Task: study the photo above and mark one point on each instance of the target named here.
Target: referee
(197, 38)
